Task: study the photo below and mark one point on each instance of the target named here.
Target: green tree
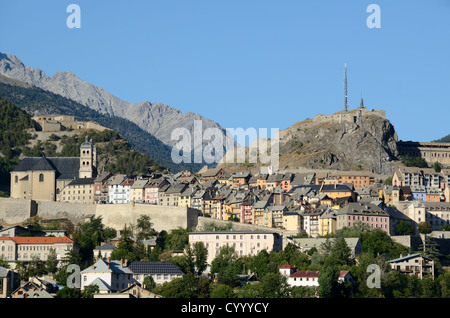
(125, 249)
(340, 254)
(222, 291)
(184, 287)
(200, 253)
(62, 275)
(424, 228)
(430, 248)
(68, 292)
(149, 282)
(36, 267)
(403, 228)
(258, 264)
(388, 181)
(89, 291)
(273, 285)
(328, 282)
(3, 262)
(437, 167)
(51, 265)
(145, 228)
(226, 266)
(414, 162)
(177, 239)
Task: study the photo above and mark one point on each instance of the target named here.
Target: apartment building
(137, 191)
(413, 265)
(152, 189)
(23, 249)
(368, 214)
(79, 190)
(116, 191)
(245, 243)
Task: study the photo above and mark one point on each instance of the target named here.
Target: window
(41, 177)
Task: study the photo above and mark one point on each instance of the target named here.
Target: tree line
(229, 272)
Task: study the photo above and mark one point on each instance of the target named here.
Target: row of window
(76, 198)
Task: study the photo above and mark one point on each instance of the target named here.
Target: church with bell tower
(65, 179)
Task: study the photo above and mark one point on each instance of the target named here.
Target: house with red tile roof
(308, 278)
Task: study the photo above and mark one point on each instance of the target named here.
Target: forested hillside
(37, 101)
(14, 124)
(114, 152)
(444, 139)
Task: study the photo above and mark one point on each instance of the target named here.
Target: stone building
(46, 178)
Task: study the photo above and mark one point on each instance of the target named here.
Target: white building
(309, 278)
(161, 272)
(110, 276)
(119, 189)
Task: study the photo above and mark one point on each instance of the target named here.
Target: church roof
(43, 164)
(66, 168)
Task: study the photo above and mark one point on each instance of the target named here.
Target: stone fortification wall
(64, 210)
(163, 217)
(408, 240)
(351, 116)
(15, 211)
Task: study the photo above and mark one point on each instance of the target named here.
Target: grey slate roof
(102, 285)
(3, 272)
(81, 181)
(107, 246)
(405, 258)
(101, 266)
(66, 167)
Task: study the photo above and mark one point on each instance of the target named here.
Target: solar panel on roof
(154, 268)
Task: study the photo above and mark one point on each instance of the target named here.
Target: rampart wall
(17, 211)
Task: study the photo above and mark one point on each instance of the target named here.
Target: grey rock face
(342, 146)
(157, 118)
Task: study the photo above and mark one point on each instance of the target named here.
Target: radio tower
(345, 88)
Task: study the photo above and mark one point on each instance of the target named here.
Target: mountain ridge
(36, 101)
(156, 118)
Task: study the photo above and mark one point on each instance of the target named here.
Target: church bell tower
(88, 159)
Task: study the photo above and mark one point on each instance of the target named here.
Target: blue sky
(249, 63)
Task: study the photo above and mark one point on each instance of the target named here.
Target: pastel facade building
(245, 243)
(359, 213)
(25, 249)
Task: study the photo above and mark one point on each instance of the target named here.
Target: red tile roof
(286, 266)
(38, 239)
(305, 274)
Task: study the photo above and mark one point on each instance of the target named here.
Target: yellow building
(137, 191)
(292, 221)
(335, 191)
(327, 222)
(185, 198)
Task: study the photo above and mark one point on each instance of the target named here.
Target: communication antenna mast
(345, 89)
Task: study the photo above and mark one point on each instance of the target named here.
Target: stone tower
(88, 159)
